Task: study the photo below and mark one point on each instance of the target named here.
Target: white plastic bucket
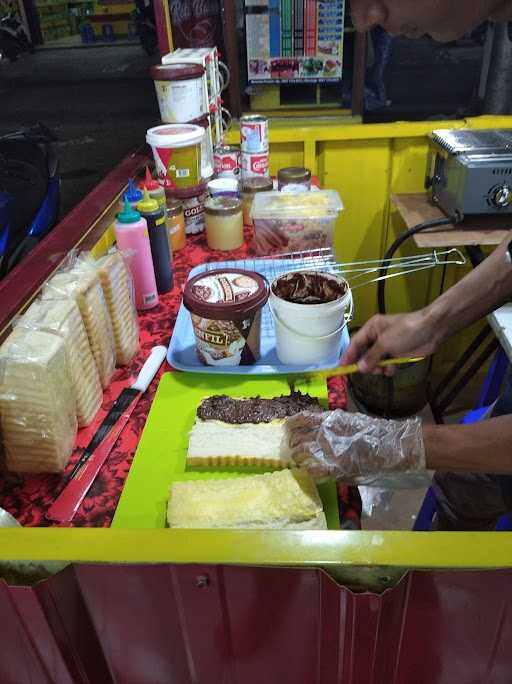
(309, 334)
(177, 153)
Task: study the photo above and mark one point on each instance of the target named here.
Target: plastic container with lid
(286, 222)
(225, 306)
(177, 153)
(176, 224)
(293, 176)
(180, 90)
(224, 187)
(250, 188)
(224, 223)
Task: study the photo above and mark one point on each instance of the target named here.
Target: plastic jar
(224, 187)
(224, 223)
(294, 175)
(177, 153)
(225, 307)
(180, 91)
(250, 188)
(176, 224)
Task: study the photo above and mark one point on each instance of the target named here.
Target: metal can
(255, 164)
(193, 200)
(226, 161)
(254, 133)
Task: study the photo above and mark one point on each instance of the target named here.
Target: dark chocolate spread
(309, 288)
(255, 410)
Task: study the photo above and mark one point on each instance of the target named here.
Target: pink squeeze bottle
(133, 240)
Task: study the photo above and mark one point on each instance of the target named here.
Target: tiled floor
(396, 510)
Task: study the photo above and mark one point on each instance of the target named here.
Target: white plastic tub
(290, 222)
(309, 334)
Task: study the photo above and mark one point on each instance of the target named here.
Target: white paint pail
(309, 334)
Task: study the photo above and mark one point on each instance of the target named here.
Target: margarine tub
(289, 222)
(226, 306)
(180, 91)
(177, 150)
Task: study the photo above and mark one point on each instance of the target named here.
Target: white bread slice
(37, 409)
(215, 443)
(286, 499)
(116, 284)
(63, 318)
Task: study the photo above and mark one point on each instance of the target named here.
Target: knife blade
(94, 456)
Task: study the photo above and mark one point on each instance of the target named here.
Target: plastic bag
(37, 409)
(357, 449)
(62, 317)
(375, 500)
(81, 283)
(117, 284)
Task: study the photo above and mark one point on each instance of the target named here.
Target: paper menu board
(294, 41)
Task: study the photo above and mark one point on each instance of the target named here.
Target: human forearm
(480, 292)
(484, 447)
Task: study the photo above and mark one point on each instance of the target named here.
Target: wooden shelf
(417, 208)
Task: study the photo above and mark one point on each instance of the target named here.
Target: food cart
(116, 597)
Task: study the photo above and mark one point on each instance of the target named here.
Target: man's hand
(410, 334)
(355, 448)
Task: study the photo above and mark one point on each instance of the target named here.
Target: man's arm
(483, 290)
(422, 332)
(483, 447)
(358, 449)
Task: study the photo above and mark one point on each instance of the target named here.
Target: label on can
(181, 100)
(255, 164)
(193, 212)
(254, 134)
(226, 161)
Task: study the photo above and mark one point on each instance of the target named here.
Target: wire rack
(358, 273)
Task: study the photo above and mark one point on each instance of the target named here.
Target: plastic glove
(357, 449)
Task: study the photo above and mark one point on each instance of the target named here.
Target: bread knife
(92, 459)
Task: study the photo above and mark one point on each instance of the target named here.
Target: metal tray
(182, 348)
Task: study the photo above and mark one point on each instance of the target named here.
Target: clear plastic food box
(294, 222)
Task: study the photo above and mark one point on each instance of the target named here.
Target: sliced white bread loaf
(215, 443)
(286, 499)
(62, 317)
(116, 282)
(37, 408)
(83, 285)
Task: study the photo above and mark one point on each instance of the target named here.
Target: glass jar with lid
(294, 175)
(250, 188)
(175, 224)
(224, 223)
